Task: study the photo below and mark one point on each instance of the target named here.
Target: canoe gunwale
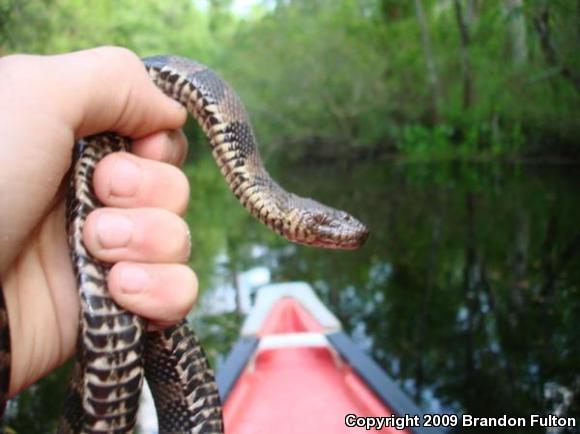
(235, 363)
(342, 348)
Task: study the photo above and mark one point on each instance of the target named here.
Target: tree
(462, 24)
(517, 30)
(544, 30)
(432, 76)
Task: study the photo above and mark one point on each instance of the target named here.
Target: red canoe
(293, 370)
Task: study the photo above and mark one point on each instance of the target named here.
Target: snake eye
(344, 216)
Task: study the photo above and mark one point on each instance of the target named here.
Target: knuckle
(127, 56)
(117, 55)
(180, 246)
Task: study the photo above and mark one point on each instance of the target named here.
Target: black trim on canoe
(235, 363)
(384, 387)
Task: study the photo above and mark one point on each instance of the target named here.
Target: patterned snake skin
(114, 350)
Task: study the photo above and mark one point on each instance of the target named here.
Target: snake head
(322, 226)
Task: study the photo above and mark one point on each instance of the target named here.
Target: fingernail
(134, 279)
(114, 230)
(169, 151)
(126, 178)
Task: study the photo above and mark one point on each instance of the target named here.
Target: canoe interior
(300, 389)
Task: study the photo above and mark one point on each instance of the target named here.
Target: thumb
(46, 102)
(110, 90)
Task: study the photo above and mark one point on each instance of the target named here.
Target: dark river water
(467, 292)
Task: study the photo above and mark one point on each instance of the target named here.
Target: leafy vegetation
(325, 78)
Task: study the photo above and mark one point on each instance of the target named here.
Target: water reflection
(467, 292)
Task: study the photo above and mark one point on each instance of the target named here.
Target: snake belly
(114, 350)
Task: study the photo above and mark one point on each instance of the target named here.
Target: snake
(115, 350)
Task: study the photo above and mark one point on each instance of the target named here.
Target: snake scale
(114, 350)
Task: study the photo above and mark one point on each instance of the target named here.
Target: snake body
(114, 350)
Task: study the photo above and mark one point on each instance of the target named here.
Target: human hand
(46, 102)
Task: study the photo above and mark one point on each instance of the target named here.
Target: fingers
(140, 229)
(167, 146)
(124, 180)
(141, 234)
(162, 293)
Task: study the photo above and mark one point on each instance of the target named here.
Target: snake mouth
(347, 240)
(334, 229)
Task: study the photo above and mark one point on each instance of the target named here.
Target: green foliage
(419, 141)
(317, 88)
(146, 26)
(327, 77)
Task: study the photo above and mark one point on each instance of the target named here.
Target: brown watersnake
(114, 350)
